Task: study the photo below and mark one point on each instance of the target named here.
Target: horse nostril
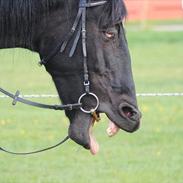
(130, 112)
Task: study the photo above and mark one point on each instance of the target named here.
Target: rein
(16, 99)
(35, 152)
(79, 26)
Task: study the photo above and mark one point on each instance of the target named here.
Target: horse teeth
(109, 132)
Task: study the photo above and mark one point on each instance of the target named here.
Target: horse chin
(80, 131)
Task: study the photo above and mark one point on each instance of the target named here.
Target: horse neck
(25, 30)
(19, 25)
(18, 35)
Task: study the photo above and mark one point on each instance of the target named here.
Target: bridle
(78, 30)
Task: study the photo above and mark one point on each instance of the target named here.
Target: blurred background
(143, 11)
(153, 154)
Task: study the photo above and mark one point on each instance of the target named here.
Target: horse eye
(109, 35)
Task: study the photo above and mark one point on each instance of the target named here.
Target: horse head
(44, 24)
(110, 73)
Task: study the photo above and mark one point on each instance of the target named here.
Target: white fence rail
(138, 95)
(160, 95)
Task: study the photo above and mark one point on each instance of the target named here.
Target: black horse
(42, 25)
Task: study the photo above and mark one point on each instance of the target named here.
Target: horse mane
(18, 18)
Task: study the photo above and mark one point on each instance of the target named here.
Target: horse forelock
(114, 12)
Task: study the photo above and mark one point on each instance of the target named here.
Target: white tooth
(112, 129)
(109, 132)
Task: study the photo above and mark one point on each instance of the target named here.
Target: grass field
(153, 154)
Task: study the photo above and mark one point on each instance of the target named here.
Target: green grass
(151, 155)
(157, 60)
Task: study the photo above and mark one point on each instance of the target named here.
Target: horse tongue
(94, 146)
(112, 129)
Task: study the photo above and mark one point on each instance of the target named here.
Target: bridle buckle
(86, 83)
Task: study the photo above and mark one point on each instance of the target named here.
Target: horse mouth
(130, 122)
(93, 144)
(126, 117)
(128, 113)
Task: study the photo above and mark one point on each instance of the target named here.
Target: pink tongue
(112, 129)
(94, 146)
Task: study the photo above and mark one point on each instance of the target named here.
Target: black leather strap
(75, 43)
(73, 29)
(35, 152)
(51, 55)
(16, 99)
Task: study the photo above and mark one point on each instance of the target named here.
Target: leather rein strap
(79, 26)
(16, 99)
(35, 152)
